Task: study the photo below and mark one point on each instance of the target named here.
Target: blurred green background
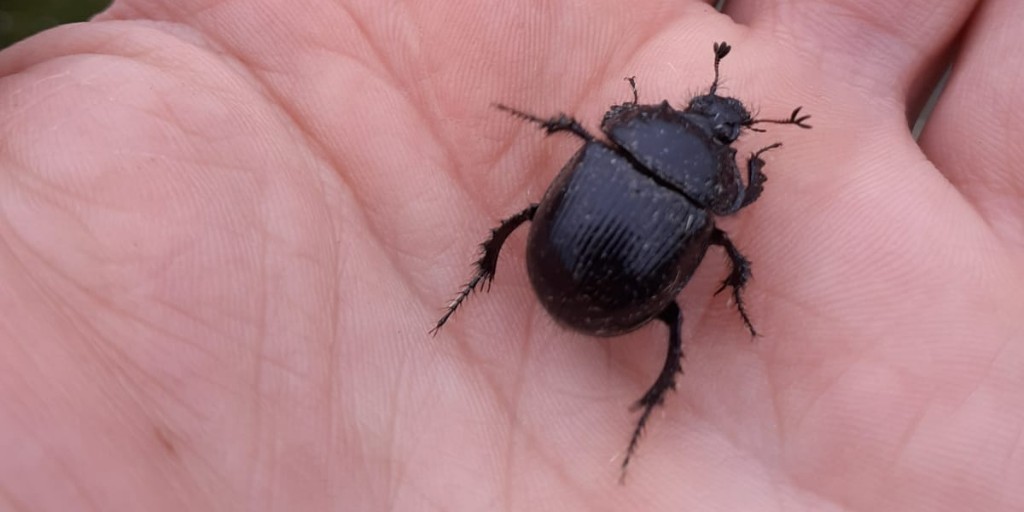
(22, 18)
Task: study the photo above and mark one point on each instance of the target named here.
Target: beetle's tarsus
(488, 262)
(554, 124)
(632, 87)
(757, 154)
(666, 381)
(738, 277)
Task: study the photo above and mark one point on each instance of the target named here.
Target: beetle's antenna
(721, 50)
(794, 118)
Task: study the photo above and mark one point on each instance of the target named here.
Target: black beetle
(627, 221)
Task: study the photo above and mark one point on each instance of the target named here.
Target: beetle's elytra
(626, 222)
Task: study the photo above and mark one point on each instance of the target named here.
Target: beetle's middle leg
(739, 275)
(666, 381)
(559, 123)
(488, 262)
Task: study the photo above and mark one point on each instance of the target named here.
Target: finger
(974, 134)
(888, 50)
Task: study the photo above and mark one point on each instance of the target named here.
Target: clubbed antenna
(721, 50)
(794, 118)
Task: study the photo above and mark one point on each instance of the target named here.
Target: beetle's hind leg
(666, 381)
(488, 262)
(739, 275)
(554, 124)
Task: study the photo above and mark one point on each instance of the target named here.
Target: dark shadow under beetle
(627, 221)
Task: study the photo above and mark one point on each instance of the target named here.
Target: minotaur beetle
(627, 221)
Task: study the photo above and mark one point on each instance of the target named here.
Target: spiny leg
(488, 262)
(655, 396)
(559, 123)
(738, 277)
(755, 178)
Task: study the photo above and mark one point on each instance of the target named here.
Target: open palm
(228, 226)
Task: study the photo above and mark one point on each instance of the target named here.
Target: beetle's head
(727, 115)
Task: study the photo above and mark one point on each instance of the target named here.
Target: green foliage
(22, 18)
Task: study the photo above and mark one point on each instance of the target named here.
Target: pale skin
(228, 226)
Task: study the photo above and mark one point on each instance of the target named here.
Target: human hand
(228, 227)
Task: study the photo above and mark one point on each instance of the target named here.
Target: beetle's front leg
(755, 178)
(632, 87)
(488, 262)
(739, 275)
(654, 396)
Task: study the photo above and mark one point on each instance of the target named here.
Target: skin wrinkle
(881, 25)
(560, 474)
(785, 477)
(109, 305)
(36, 186)
(992, 365)
(260, 337)
(506, 144)
(158, 328)
(870, 86)
(538, 166)
(184, 404)
(776, 406)
(540, 156)
(331, 425)
(396, 470)
(817, 494)
(374, 227)
(899, 458)
(423, 119)
(11, 503)
(530, 437)
(203, 483)
(54, 456)
(318, 149)
(516, 398)
(151, 417)
(1017, 451)
(169, 449)
(69, 475)
(967, 102)
(120, 364)
(827, 389)
(196, 319)
(365, 36)
(767, 467)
